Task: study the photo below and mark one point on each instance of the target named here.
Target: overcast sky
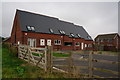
(95, 17)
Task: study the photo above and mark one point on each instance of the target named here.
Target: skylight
(28, 27)
(72, 34)
(88, 37)
(51, 30)
(31, 28)
(62, 32)
(78, 35)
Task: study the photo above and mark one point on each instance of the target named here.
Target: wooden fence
(74, 70)
(43, 58)
(38, 56)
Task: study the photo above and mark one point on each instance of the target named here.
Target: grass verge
(60, 55)
(54, 54)
(12, 67)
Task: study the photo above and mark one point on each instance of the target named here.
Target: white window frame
(32, 42)
(49, 42)
(42, 42)
(57, 41)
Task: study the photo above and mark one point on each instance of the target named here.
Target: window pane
(68, 43)
(42, 42)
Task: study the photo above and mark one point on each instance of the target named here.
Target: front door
(82, 45)
(49, 42)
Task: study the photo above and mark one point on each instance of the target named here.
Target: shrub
(5, 45)
(12, 49)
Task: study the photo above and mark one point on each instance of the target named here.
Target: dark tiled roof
(43, 23)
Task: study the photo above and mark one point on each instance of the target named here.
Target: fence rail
(37, 56)
(43, 58)
(91, 67)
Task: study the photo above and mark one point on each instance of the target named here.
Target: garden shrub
(12, 49)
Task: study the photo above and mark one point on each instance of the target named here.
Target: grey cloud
(95, 17)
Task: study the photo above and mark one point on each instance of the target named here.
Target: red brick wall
(53, 37)
(16, 34)
(114, 44)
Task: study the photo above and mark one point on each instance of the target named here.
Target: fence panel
(38, 56)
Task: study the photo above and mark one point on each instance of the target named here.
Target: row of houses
(36, 30)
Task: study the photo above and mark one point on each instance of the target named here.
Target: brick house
(110, 42)
(36, 30)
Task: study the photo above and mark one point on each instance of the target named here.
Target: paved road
(112, 67)
(97, 56)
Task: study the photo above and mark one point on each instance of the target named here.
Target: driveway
(76, 61)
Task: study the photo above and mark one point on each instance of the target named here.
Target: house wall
(16, 34)
(111, 46)
(53, 37)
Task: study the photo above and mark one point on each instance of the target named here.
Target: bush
(5, 45)
(12, 49)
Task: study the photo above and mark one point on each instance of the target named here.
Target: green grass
(35, 54)
(60, 55)
(12, 67)
(54, 54)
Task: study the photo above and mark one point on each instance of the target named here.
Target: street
(76, 62)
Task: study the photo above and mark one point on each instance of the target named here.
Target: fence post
(18, 51)
(28, 54)
(70, 66)
(90, 64)
(49, 59)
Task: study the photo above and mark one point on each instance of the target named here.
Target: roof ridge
(36, 13)
(66, 22)
(107, 34)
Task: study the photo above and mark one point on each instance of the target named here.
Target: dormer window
(72, 34)
(51, 30)
(78, 35)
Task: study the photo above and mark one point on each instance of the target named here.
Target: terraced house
(36, 30)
